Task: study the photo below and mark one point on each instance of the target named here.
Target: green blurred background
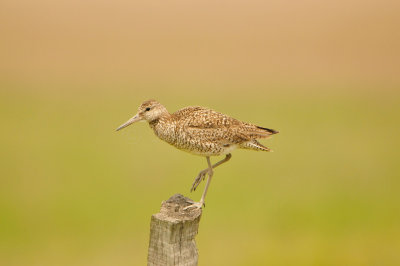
(326, 74)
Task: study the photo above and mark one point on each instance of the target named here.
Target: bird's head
(148, 111)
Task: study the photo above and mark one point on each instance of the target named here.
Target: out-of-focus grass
(74, 192)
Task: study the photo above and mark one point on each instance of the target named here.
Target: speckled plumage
(201, 131)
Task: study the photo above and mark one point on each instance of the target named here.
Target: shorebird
(203, 132)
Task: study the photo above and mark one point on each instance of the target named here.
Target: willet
(201, 131)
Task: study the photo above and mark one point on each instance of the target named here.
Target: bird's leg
(202, 175)
(210, 172)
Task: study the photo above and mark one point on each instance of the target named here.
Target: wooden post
(172, 233)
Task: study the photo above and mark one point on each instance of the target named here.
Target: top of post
(172, 210)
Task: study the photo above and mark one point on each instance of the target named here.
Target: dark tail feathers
(272, 131)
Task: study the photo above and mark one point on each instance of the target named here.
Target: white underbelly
(229, 149)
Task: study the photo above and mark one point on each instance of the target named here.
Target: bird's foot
(195, 205)
(201, 176)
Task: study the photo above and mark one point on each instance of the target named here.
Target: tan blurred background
(326, 74)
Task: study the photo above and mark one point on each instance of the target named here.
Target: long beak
(130, 121)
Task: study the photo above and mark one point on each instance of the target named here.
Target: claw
(201, 176)
(195, 205)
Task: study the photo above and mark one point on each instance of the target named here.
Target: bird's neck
(163, 116)
(163, 127)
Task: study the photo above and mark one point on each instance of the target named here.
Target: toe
(195, 205)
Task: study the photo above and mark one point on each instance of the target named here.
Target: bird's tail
(271, 131)
(254, 145)
(256, 132)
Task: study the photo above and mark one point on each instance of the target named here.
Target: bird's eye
(147, 109)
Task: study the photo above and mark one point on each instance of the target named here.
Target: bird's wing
(200, 117)
(216, 126)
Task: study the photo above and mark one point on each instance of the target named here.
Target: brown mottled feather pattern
(206, 132)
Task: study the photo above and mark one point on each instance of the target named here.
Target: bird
(201, 131)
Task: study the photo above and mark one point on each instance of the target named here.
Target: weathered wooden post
(172, 233)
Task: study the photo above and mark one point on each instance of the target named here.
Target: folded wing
(214, 126)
